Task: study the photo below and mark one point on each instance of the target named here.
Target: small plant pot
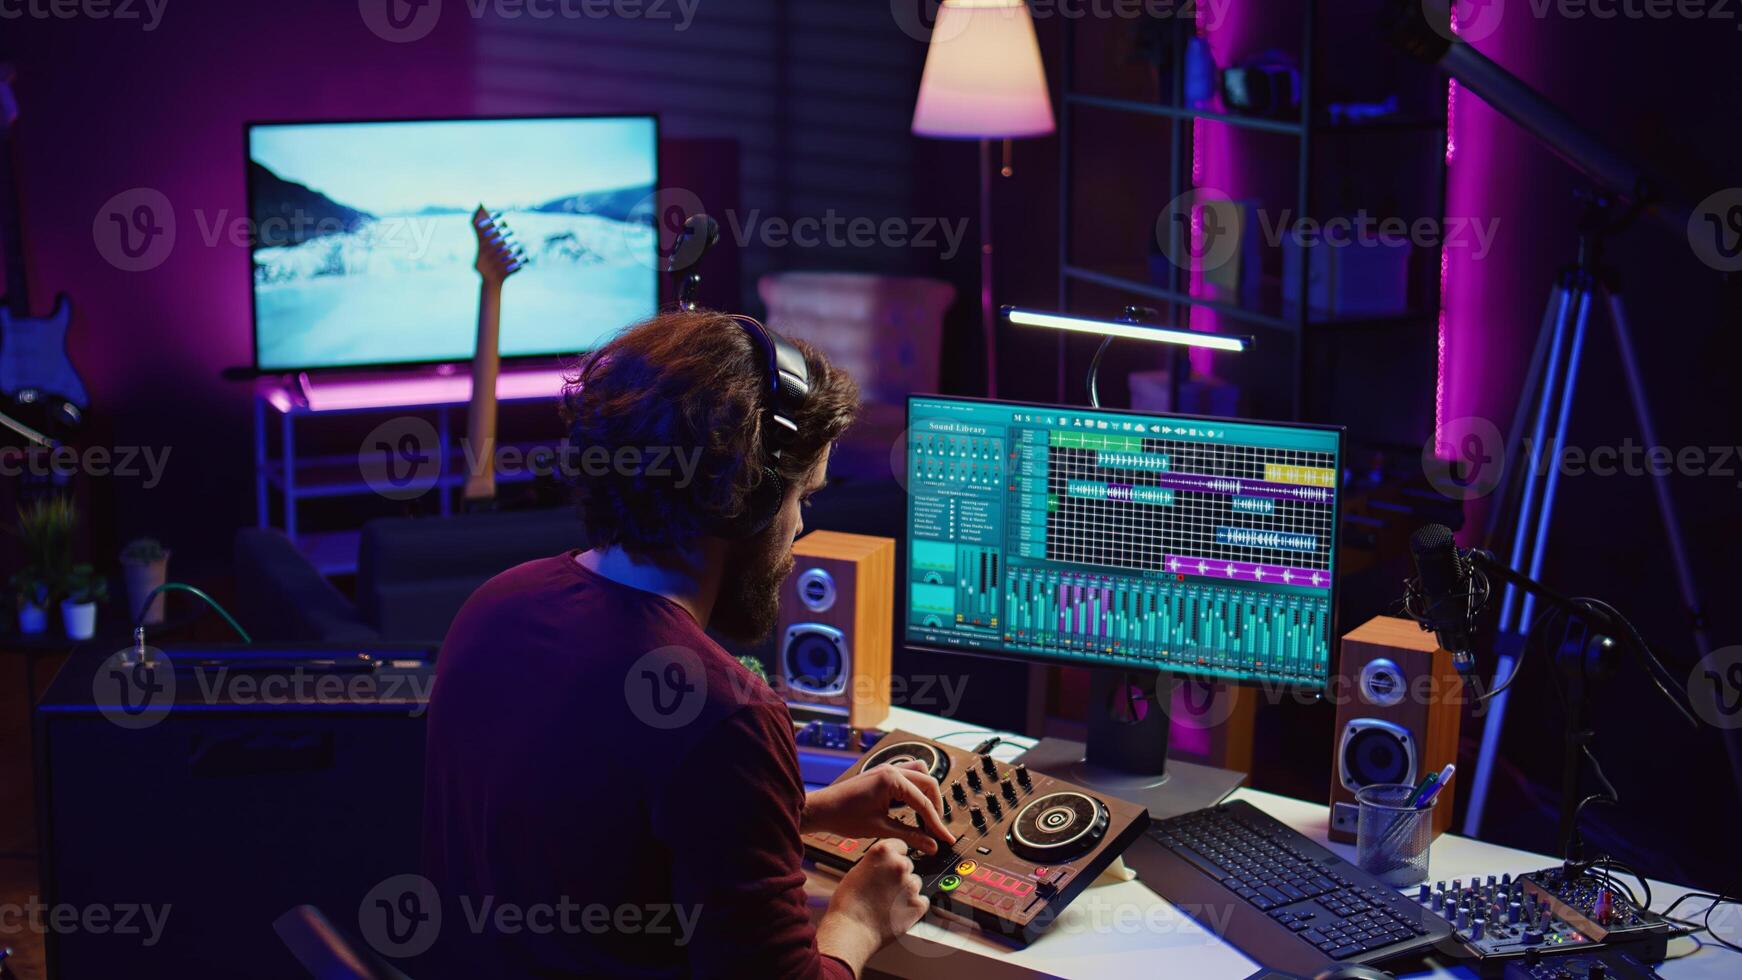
(141, 578)
(80, 619)
(32, 619)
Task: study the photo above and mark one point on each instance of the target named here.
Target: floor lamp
(984, 80)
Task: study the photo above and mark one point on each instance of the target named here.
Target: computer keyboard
(1281, 899)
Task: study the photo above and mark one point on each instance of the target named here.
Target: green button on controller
(949, 882)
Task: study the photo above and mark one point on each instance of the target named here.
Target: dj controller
(1026, 843)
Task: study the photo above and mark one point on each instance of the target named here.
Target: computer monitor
(1138, 543)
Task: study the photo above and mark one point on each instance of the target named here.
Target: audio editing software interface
(1193, 546)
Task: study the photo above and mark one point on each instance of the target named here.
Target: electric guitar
(42, 399)
(499, 256)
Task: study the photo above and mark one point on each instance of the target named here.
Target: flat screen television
(362, 250)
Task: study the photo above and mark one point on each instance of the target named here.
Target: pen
(1434, 790)
(1428, 783)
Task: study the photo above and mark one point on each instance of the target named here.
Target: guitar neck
(11, 232)
(481, 417)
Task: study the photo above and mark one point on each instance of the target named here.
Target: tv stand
(430, 396)
(1126, 752)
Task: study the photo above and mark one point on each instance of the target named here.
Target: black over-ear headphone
(787, 387)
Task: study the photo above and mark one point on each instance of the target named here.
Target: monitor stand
(1126, 753)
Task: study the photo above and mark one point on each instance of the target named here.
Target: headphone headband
(788, 382)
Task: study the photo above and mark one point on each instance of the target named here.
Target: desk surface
(1126, 930)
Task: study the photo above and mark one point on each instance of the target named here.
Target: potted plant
(78, 611)
(45, 533)
(32, 593)
(144, 566)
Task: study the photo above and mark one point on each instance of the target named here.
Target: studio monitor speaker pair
(834, 641)
(1399, 702)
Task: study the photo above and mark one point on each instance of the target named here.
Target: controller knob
(958, 792)
(1022, 775)
(990, 766)
(978, 818)
(1009, 789)
(974, 778)
(993, 805)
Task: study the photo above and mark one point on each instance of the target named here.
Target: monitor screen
(362, 246)
(1080, 536)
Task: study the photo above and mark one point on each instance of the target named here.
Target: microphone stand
(1586, 656)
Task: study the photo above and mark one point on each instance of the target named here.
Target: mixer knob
(946, 808)
(1506, 879)
(1022, 775)
(993, 805)
(1009, 789)
(958, 792)
(1439, 901)
(974, 778)
(1426, 893)
(1515, 913)
(1476, 928)
(977, 817)
(990, 766)
(1492, 881)
(1457, 884)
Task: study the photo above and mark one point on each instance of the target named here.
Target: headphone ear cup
(760, 509)
(764, 504)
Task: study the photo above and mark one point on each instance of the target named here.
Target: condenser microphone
(1444, 597)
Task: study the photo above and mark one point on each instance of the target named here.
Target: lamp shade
(983, 74)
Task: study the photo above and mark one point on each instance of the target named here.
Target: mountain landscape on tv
(344, 283)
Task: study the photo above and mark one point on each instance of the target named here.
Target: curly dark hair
(689, 383)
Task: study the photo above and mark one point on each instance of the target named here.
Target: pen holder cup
(1392, 837)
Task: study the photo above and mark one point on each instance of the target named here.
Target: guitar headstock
(499, 253)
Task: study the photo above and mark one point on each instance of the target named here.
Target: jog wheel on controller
(1058, 827)
(933, 758)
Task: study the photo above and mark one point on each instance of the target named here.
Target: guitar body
(33, 355)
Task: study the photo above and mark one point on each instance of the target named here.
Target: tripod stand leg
(1514, 474)
(1570, 306)
(1659, 483)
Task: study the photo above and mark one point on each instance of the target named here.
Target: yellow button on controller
(966, 867)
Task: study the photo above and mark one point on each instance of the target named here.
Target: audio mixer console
(1542, 914)
(1026, 843)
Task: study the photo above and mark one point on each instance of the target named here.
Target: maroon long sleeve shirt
(607, 792)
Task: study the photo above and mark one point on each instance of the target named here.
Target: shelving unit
(284, 403)
(1309, 131)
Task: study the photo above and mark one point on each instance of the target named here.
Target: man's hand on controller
(859, 807)
(877, 901)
